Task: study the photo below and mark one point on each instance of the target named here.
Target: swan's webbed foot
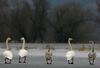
(71, 61)
(24, 59)
(68, 61)
(49, 61)
(19, 59)
(10, 61)
(20, 62)
(24, 62)
(91, 61)
(7, 61)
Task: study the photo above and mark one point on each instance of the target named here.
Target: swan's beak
(91, 42)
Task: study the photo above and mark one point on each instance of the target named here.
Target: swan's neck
(92, 47)
(70, 44)
(7, 44)
(23, 45)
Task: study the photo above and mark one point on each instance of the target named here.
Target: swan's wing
(23, 53)
(8, 54)
(70, 54)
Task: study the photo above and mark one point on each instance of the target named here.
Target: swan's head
(91, 42)
(70, 39)
(22, 38)
(8, 38)
(92, 45)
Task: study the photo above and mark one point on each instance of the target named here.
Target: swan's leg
(24, 59)
(9, 61)
(5, 60)
(19, 59)
(89, 60)
(68, 61)
(72, 60)
(51, 60)
(93, 61)
(47, 60)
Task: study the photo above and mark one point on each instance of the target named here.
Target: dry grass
(87, 49)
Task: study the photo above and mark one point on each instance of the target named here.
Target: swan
(23, 52)
(92, 53)
(70, 54)
(8, 53)
(48, 56)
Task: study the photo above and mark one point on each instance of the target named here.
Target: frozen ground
(56, 52)
(36, 59)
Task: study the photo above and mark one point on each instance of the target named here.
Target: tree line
(38, 22)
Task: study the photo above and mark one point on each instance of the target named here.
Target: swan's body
(70, 54)
(48, 56)
(8, 53)
(23, 52)
(92, 54)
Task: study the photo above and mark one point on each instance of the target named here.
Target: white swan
(23, 52)
(8, 53)
(70, 54)
(92, 53)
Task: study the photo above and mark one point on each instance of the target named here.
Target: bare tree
(66, 20)
(4, 20)
(40, 18)
(21, 20)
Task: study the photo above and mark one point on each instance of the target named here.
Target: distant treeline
(38, 22)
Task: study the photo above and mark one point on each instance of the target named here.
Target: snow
(57, 52)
